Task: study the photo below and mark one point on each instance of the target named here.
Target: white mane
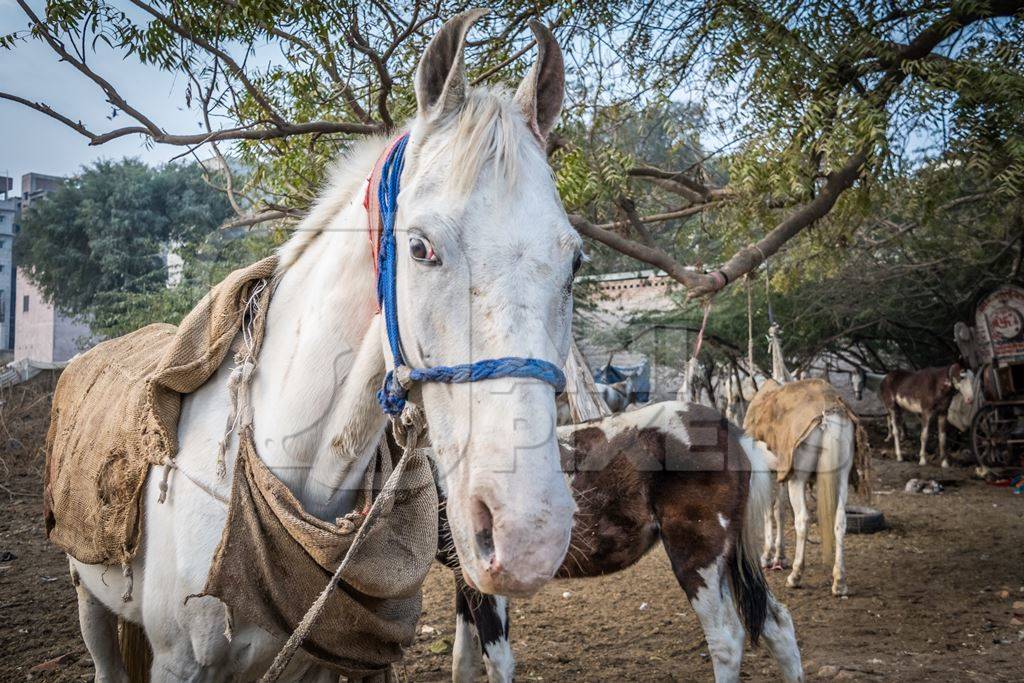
(345, 177)
(489, 130)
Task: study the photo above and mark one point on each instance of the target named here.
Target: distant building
(41, 332)
(36, 185)
(633, 291)
(10, 214)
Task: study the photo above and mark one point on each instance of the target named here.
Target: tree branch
(252, 219)
(837, 182)
(231, 64)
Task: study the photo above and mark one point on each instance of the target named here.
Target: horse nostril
(483, 527)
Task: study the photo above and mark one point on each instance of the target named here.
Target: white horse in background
(861, 379)
(484, 265)
(827, 454)
(617, 396)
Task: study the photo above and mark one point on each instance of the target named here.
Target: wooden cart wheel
(989, 435)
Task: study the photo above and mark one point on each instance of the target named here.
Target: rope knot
(392, 395)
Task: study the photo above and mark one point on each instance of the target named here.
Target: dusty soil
(932, 597)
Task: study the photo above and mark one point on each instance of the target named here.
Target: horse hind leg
(709, 592)
(780, 636)
(801, 521)
(778, 511)
(99, 631)
(711, 596)
(769, 513)
(839, 567)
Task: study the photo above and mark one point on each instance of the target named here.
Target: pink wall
(41, 333)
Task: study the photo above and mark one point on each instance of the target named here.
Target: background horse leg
(779, 512)
(492, 623)
(941, 426)
(769, 513)
(780, 637)
(99, 631)
(801, 521)
(839, 568)
(897, 432)
(481, 627)
(926, 419)
(466, 652)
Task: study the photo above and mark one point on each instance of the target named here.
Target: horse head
(858, 378)
(962, 380)
(485, 257)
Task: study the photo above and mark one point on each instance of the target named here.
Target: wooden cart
(997, 431)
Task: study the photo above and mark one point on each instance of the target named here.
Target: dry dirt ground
(937, 596)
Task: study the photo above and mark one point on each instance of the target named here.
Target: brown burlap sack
(783, 415)
(274, 559)
(115, 413)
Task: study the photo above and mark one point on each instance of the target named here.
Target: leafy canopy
(105, 234)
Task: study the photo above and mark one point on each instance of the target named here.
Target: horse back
(929, 389)
(677, 472)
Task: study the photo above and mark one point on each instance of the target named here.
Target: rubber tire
(863, 520)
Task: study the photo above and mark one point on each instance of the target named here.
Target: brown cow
(925, 392)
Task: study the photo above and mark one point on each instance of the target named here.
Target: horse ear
(441, 83)
(542, 90)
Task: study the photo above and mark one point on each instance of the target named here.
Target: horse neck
(316, 419)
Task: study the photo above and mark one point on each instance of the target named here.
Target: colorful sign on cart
(1000, 325)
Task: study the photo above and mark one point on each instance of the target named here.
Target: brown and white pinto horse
(673, 471)
(925, 393)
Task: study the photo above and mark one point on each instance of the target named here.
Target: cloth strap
(392, 396)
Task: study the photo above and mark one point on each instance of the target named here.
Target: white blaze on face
(965, 385)
(485, 257)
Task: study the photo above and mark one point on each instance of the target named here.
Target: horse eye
(577, 262)
(421, 251)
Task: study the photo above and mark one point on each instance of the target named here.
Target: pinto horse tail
(749, 588)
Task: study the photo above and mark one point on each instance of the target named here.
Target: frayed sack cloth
(274, 559)
(784, 415)
(115, 413)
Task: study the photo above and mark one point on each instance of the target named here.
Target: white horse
(485, 260)
(827, 455)
(617, 396)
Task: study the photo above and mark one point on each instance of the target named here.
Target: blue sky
(33, 142)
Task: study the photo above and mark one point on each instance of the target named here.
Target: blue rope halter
(393, 394)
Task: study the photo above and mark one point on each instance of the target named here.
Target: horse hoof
(945, 464)
(793, 582)
(839, 591)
